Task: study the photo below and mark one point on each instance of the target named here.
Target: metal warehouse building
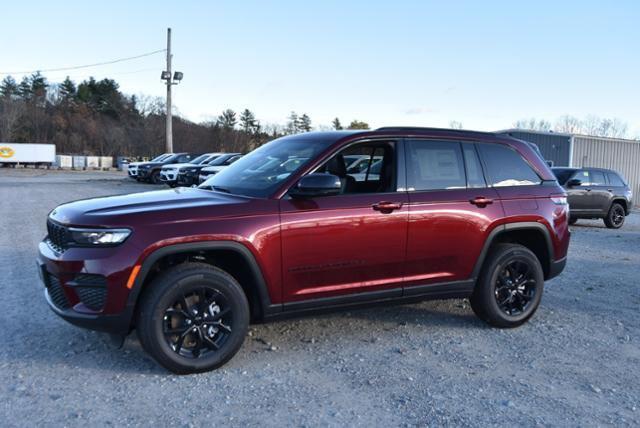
(586, 151)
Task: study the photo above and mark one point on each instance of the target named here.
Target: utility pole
(170, 81)
(169, 85)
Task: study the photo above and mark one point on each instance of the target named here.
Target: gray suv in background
(596, 193)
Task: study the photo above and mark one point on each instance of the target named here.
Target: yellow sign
(6, 152)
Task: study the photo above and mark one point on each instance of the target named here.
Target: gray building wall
(611, 153)
(554, 147)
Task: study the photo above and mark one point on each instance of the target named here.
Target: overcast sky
(483, 63)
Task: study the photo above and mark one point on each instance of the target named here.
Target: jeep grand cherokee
(285, 229)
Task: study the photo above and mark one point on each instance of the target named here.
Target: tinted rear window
(506, 167)
(614, 180)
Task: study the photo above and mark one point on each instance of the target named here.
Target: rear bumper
(556, 267)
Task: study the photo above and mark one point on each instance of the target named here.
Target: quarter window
(475, 178)
(435, 165)
(506, 167)
(614, 180)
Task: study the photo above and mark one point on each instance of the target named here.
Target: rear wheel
(510, 286)
(193, 319)
(615, 216)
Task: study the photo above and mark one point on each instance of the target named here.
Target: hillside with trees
(94, 117)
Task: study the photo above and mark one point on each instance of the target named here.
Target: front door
(354, 242)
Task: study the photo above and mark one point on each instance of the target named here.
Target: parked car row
(181, 169)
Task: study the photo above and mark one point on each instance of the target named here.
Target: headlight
(97, 237)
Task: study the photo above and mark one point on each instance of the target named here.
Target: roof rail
(420, 128)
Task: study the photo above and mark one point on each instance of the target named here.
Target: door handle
(481, 201)
(386, 207)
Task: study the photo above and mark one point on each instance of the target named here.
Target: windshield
(200, 159)
(161, 157)
(220, 160)
(262, 171)
(563, 175)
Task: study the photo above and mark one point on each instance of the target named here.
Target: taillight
(559, 199)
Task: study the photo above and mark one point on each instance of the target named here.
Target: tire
(615, 216)
(187, 344)
(573, 220)
(492, 286)
(155, 177)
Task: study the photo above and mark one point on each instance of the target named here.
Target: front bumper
(87, 286)
(132, 172)
(168, 176)
(187, 178)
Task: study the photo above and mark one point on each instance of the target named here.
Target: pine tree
(293, 125)
(24, 89)
(247, 121)
(305, 123)
(227, 119)
(67, 89)
(336, 124)
(8, 88)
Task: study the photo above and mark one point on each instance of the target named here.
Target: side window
(232, 160)
(475, 179)
(435, 165)
(615, 180)
(597, 178)
(583, 176)
(506, 167)
(183, 158)
(364, 168)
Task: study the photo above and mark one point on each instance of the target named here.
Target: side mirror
(574, 182)
(317, 184)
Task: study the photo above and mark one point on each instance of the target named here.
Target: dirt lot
(576, 363)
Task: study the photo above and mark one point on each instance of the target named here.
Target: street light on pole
(167, 77)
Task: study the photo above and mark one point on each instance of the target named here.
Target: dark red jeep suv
(286, 229)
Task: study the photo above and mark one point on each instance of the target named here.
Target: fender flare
(504, 228)
(265, 301)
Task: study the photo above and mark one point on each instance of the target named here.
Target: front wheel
(155, 177)
(193, 319)
(615, 216)
(509, 289)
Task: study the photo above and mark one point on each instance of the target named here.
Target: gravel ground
(576, 363)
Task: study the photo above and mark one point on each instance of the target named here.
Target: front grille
(91, 290)
(56, 293)
(59, 236)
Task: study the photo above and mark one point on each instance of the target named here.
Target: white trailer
(29, 154)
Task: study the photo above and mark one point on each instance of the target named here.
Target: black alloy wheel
(515, 287)
(192, 318)
(510, 286)
(198, 323)
(615, 217)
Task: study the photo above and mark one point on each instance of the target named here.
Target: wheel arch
(623, 202)
(527, 234)
(233, 257)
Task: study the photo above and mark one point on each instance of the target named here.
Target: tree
(336, 124)
(67, 90)
(454, 124)
(24, 89)
(9, 88)
(568, 125)
(248, 122)
(533, 124)
(227, 119)
(293, 125)
(356, 124)
(304, 123)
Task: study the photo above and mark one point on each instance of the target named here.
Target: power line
(84, 66)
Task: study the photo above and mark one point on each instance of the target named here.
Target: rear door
(579, 196)
(600, 192)
(450, 212)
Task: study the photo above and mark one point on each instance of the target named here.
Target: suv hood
(180, 204)
(214, 168)
(178, 165)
